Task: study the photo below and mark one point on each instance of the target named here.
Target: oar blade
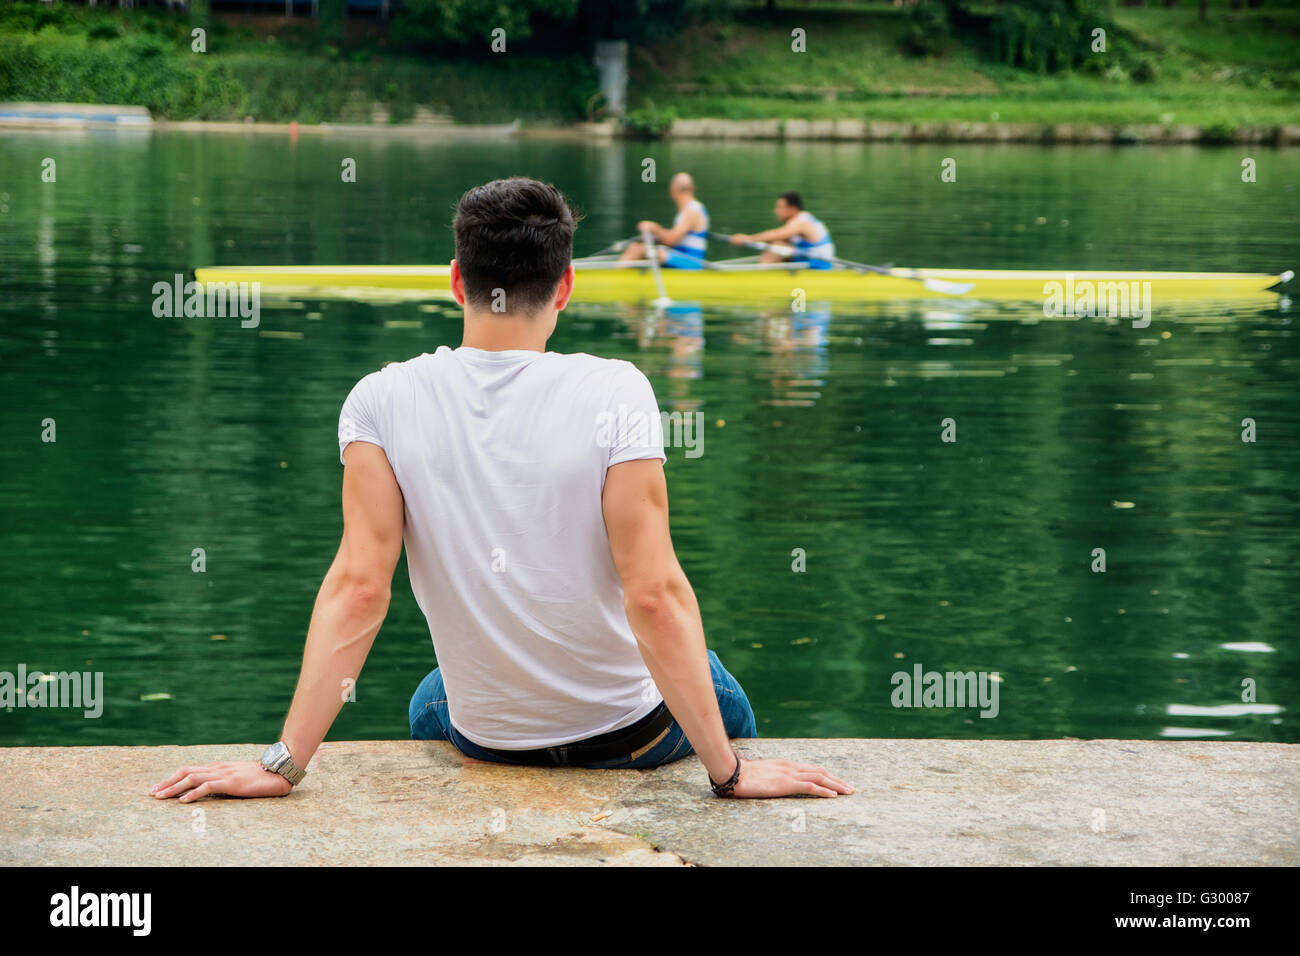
(947, 288)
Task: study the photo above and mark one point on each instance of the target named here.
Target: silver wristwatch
(277, 760)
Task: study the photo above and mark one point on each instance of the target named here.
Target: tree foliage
(467, 25)
(1046, 36)
(645, 20)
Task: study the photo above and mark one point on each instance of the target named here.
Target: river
(833, 538)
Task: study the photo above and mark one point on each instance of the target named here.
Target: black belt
(624, 742)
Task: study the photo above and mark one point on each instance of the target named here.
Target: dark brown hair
(792, 198)
(516, 235)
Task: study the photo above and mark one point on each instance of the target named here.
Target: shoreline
(940, 131)
(83, 117)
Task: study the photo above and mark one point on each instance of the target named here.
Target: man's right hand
(784, 778)
(245, 778)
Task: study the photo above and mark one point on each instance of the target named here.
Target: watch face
(274, 755)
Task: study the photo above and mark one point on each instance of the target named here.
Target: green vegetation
(1045, 36)
(648, 122)
(954, 61)
(939, 60)
(145, 57)
(290, 85)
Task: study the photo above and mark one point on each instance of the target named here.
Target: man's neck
(500, 333)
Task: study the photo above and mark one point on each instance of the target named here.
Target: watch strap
(283, 764)
(291, 771)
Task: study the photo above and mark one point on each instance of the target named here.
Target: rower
(800, 229)
(683, 246)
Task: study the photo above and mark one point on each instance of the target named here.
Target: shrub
(1095, 65)
(1145, 70)
(1218, 134)
(105, 30)
(648, 122)
(929, 31)
(1047, 36)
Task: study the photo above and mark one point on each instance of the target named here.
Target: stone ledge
(918, 802)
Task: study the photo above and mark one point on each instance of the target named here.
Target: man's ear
(564, 289)
(457, 283)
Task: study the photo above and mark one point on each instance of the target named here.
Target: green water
(822, 433)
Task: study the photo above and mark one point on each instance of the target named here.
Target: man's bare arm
(797, 226)
(665, 617)
(693, 221)
(778, 234)
(350, 607)
(353, 598)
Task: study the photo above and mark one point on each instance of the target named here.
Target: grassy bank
(863, 61)
(267, 70)
(1241, 68)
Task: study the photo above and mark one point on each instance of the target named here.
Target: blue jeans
(431, 720)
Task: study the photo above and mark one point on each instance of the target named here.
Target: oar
(653, 255)
(613, 247)
(934, 285)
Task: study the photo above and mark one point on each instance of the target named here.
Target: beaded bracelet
(725, 789)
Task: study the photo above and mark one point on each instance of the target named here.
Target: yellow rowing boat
(603, 281)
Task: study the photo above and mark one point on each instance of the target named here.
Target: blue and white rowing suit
(689, 252)
(818, 251)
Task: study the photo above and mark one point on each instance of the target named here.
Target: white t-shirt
(501, 457)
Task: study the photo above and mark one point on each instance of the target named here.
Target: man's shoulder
(589, 364)
(416, 362)
(391, 372)
(586, 359)
(572, 365)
